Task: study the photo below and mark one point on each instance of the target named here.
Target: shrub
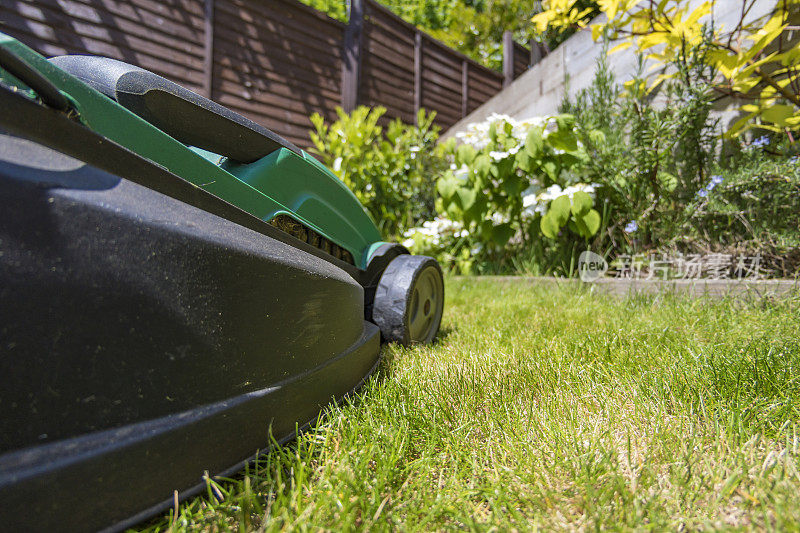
(391, 170)
(510, 184)
(648, 160)
(496, 191)
(657, 166)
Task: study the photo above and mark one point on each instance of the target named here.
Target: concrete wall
(570, 68)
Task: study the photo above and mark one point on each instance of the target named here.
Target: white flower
(337, 164)
(498, 218)
(414, 149)
(529, 200)
(552, 192)
(587, 188)
(498, 156)
(408, 243)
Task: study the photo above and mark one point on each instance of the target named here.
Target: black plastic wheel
(409, 300)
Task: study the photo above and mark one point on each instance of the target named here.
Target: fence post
(351, 64)
(536, 52)
(417, 73)
(464, 88)
(508, 58)
(208, 51)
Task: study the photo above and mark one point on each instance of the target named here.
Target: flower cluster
(760, 142)
(715, 180)
(477, 133)
(434, 231)
(534, 201)
(499, 156)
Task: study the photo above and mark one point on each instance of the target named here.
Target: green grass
(549, 408)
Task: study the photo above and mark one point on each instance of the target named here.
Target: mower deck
(154, 337)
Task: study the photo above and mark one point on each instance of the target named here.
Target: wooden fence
(274, 61)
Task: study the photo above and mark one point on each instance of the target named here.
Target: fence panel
(277, 63)
(483, 84)
(274, 61)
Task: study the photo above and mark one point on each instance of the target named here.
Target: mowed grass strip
(552, 408)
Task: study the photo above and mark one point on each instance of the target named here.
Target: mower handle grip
(178, 112)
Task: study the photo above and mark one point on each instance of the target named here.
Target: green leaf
(581, 203)
(446, 187)
(465, 154)
(534, 143)
(588, 224)
(592, 221)
(477, 209)
(483, 164)
(493, 132)
(485, 228)
(453, 212)
(563, 140)
(466, 197)
(513, 184)
(503, 169)
(560, 209)
(569, 160)
(549, 226)
(668, 181)
(502, 233)
(565, 121)
(523, 160)
(778, 113)
(551, 169)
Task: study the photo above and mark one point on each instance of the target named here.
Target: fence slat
(464, 89)
(417, 72)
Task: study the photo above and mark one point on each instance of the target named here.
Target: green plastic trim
(310, 194)
(282, 182)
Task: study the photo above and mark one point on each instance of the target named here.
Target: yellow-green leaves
(756, 60)
(560, 13)
(391, 169)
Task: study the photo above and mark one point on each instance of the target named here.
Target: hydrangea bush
(510, 182)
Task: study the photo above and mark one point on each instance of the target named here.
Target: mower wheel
(409, 300)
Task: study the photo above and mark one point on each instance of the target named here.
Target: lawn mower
(180, 288)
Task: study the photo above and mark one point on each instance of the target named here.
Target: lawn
(552, 408)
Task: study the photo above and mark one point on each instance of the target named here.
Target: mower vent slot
(298, 230)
